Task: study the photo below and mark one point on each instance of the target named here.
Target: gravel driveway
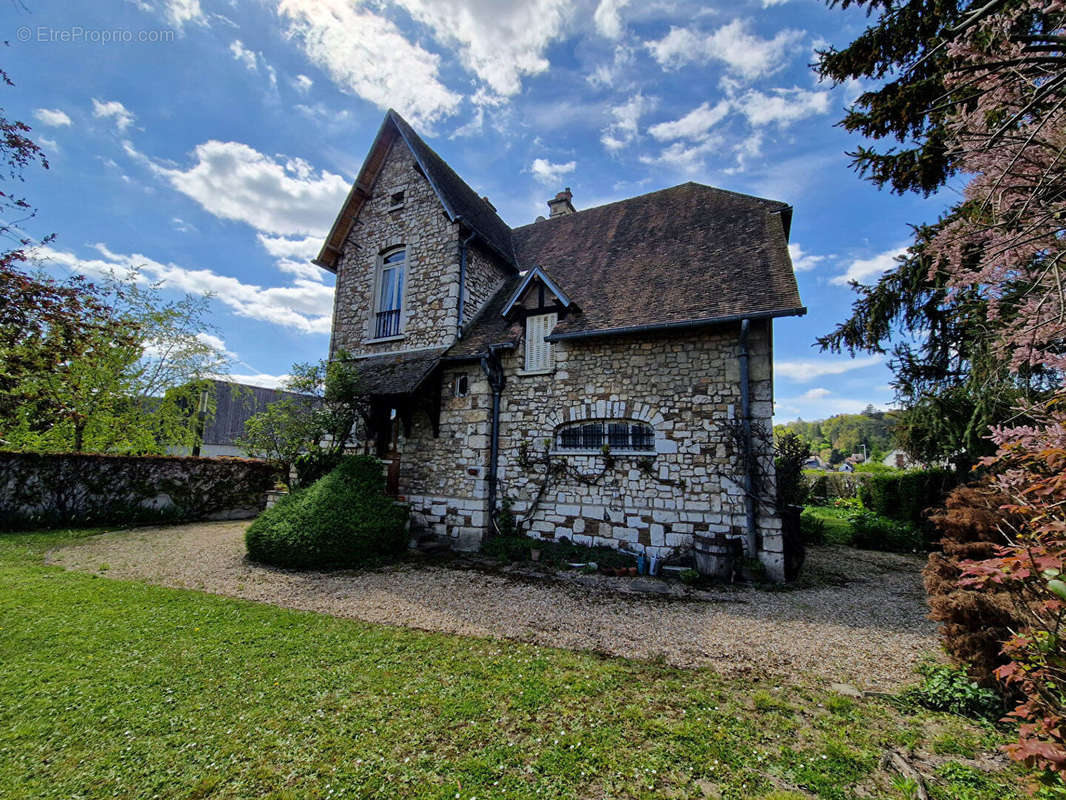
(862, 620)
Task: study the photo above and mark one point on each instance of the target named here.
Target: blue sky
(211, 143)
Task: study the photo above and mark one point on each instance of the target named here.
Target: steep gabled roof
(459, 200)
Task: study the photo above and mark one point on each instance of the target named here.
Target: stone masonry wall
(431, 274)
(686, 387)
(484, 277)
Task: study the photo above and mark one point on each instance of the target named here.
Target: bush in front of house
(812, 528)
(344, 519)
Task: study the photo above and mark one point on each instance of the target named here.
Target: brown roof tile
(396, 373)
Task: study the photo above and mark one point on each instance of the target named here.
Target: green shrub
(905, 496)
(812, 528)
(947, 688)
(342, 520)
(873, 531)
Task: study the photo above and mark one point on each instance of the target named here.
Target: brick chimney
(561, 205)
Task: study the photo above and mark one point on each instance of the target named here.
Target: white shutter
(540, 355)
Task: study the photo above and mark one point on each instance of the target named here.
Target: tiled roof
(683, 254)
(687, 254)
(396, 373)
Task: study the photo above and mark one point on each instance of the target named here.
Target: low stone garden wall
(52, 489)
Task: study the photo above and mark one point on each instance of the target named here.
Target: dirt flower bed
(857, 617)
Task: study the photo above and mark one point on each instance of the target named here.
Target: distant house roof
(235, 404)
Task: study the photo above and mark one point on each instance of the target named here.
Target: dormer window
(389, 319)
(540, 354)
(396, 200)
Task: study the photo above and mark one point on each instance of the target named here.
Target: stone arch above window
(607, 422)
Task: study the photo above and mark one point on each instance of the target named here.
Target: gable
(459, 201)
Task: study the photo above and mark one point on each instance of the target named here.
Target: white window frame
(379, 275)
(539, 354)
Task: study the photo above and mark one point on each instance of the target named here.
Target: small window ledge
(523, 373)
(398, 338)
(397, 207)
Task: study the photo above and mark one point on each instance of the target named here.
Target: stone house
(603, 375)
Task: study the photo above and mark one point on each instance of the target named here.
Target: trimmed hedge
(343, 520)
(48, 490)
(828, 486)
(905, 496)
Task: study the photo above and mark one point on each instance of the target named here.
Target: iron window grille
(617, 435)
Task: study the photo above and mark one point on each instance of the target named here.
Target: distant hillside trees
(839, 436)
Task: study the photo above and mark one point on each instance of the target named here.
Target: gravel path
(867, 632)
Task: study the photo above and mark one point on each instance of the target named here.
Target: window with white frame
(389, 319)
(620, 435)
(540, 354)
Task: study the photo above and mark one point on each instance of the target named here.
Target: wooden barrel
(716, 554)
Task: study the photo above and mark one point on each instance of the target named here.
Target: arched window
(620, 435)
(389, 320)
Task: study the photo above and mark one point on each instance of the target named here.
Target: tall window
(540, 355)
(390, 294)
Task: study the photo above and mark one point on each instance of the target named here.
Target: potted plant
(534, 553)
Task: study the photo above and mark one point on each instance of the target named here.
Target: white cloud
(181, 226)
(695, 125)
(276, 195)
(608, 18)
(623, 130)
(499, 42)
(822, 403)
(607, 74)
(367, 55)
(50, 144)
(741, 51)
(782, 107)
(242, 54)
(687, 158)
(180, 12)
(801, 261)
(304, 305)
(252, 61)
(217, 344)
(810, 369)
(861, 269)
(302, 83)
(550, 174)
(52, 117)
(293, 255)
(113, 110)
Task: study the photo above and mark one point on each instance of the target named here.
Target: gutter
(493, 369)
(750, 539)
(691, 323)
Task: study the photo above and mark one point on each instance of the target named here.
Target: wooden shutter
(540, 355)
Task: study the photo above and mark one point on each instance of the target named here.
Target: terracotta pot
(620, 571)
(632, 572)
(534, 554)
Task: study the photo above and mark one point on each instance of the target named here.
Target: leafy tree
(108, 367)
(307, 434)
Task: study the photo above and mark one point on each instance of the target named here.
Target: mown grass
(838, 528)
(120, 689)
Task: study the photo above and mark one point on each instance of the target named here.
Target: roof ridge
(730, 192)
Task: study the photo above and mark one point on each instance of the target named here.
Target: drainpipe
(463, 243)
(493, 369)
(750, 540)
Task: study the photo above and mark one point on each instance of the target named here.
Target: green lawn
(837, 527)
(118, 689)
